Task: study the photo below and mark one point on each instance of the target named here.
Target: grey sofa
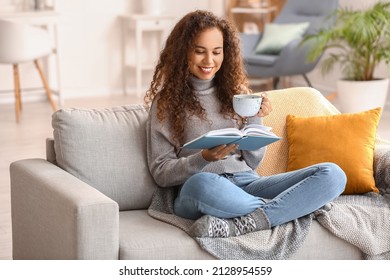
(88, 199)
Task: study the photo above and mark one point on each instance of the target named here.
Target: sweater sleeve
(164, 164)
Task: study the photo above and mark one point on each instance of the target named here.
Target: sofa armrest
(382, 166)
(57, 216)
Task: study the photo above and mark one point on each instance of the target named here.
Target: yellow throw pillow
(345, 139)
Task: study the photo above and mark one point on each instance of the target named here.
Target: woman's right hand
(219, 152)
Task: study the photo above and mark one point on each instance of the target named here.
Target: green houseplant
(358, 43)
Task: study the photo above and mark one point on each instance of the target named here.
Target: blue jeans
(283, 197)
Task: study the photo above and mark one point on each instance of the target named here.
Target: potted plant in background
(358, 43)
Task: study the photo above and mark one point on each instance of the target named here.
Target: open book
(251, 137)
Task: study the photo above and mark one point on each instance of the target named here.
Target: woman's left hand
(266, 106)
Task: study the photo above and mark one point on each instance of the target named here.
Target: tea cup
(247, 105)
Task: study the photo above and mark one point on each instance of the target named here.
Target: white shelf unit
(138, 25)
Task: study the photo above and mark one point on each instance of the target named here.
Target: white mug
(247, 105)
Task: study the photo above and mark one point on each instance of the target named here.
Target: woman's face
(206, 56)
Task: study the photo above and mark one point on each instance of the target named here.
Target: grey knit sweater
(170, 166)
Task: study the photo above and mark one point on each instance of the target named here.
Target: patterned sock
(210, 226)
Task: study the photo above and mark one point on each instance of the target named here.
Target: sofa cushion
(106, 149)
(278, 35)
(142, 237)
(302, 101)
(345, 139)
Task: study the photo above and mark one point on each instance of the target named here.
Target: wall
(92, 37)
(90, 44)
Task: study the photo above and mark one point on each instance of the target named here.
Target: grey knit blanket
(362, 220)
(277, 243)
(382, 167)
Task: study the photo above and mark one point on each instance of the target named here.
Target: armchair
(292, 58)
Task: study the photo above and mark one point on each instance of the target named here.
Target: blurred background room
(102, 54)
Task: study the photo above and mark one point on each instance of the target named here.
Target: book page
(257, 136)
(257, 129)
(225, 132)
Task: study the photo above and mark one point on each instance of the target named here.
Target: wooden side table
(264, 12)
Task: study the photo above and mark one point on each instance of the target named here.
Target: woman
(199, 71)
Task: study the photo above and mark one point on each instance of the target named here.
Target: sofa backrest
(319, 13)
(106, 148)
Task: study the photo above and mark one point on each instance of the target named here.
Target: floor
(27, 140)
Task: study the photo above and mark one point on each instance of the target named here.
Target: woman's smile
(205, 58)
(206, 70)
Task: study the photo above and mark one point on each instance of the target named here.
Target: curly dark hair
(171, 78)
